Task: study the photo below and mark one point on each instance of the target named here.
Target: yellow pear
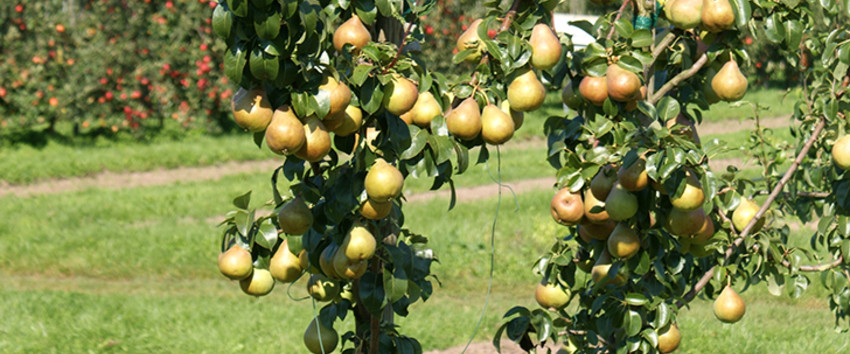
(841, 152)
(602, 267)
(729, 307)
(623, 85)
(545, 47)
(259, 283)
(684, 14)
(338, 94)
(319, 339)
(317, 143)
(352, 119)
(594, 209)
(407, 117)
(729, 84)
(634, 177)
(620, 204)
(464, 121)
(623, 242)
(469, 40)
(566, 207)
(285, 134)
(517, 116)
(685, 223)
(497, 127)
(359, 244)
(321, 288)
(669, 338)
(236, 263)
(594, 89)
(744, 213)
(295, 217)
(551, 296)
(346, 268)
(589, 231)
(526, 93)
(252, 109)
(601, 184)
(285, 266)
(425, 109)
(375, 211)
(351, 32)
(383, 182)
(705, 232)
(692, 196)
(400, 95)
(717, 15)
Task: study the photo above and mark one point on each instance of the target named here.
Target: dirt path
(118, 180)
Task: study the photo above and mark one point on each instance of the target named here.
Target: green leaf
(668, 108)
(222, 21)
(234, 61)
(641, 38)
(258, 138)
(662, 315)
(244, 221)
(633, 322)
(262, 65)
(361, 73)
(742, 11)
(442, 147)
(268, 234)
(395, 284)
(239, 7)
(418, 139)
(366, 10)
(794, 32)
(636, 299)
(624, 28)
(372, 293)
(267, 24)
(242, 201)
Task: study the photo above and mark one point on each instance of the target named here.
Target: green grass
(134, 270)
(24, 163)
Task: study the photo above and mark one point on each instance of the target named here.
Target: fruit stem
(682, 76)
(770, 198)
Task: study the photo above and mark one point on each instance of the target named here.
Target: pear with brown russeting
(545, 47)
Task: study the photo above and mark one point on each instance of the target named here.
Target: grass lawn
(134, 270)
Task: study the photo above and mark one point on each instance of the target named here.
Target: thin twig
(617, 18)
(746, 231)
(509, 17)
(684, 75)
(400, 48)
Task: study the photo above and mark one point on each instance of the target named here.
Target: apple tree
(650, 225)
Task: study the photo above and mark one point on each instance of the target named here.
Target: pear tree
(339, 90)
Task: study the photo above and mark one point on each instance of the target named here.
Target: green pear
(359, 244)
(745, 212)
(497, 127)
(321, 288)
(692, 196)
(259, 283)
(383, 182)
(841, 152)
(623, 242)
(685, 223)
(400, 95)
(601, 184)
(464, 121)
(525, 92)
(285, 266)
(729, 307)
(634, 177)
(729, 84)
(602, 267)
(320, 339)
(294, 217)
(545, 47)
(236, 263)
(517, 116)
(621, 204)
(684, 14)
(425, 109)
(469, 40)
(552, 296)
(350, 121)
(669, 338)
(594, 209)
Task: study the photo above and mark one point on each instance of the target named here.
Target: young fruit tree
(340, 90)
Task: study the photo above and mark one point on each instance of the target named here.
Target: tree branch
(400, 48)
(746, 231)
(684, 75)
(509, 17)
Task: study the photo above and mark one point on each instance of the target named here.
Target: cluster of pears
(287, 134)
(546, 49)
(713, 15)
(496, 125)
(383, 184)
(349, 260)
(618, 84)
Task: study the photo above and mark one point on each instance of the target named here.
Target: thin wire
(498, 180)
(318, 327)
